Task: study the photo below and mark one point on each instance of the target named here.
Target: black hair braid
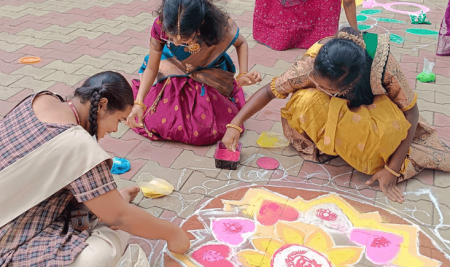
(97, 94)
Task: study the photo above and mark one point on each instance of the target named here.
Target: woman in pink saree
(443, 48)
(195, 94)
(284, 24)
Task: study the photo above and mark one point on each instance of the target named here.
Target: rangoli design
(271, 230)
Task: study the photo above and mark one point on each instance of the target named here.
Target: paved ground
(77, 38)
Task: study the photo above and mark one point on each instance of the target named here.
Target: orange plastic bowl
(30, 60)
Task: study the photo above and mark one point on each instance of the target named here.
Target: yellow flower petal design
(251, 258)
(344, 256)
(267, 245)
(319, 240)
(289, 234)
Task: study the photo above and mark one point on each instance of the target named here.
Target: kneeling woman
(55, 181)
(195, 95)
(350, 98)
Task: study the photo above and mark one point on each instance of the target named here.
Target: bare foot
(130, 193)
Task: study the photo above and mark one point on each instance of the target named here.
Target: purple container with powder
(226, 159)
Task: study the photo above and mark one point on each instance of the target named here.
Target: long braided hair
(110, 85)
(346, 63)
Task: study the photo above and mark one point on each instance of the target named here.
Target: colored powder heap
(224, 154)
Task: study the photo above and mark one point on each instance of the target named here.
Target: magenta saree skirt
(443, 47)
(189, 111)
(284, 24)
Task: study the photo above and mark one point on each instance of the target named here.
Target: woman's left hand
(388, 184)
(250, 78)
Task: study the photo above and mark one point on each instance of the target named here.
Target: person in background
(188, 92)
(350, 98)
(56, 184)
(285, 24)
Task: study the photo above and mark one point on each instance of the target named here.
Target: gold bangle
(140, 103)
(391, 171)
(235, 127)
(240, 75)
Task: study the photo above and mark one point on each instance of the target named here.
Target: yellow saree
(365, 137)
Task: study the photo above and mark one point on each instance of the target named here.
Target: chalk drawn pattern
(267, 229)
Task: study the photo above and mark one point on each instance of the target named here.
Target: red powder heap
(225, 154)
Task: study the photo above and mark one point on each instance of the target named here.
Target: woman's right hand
(179, 243)
(138, 112)
(231, 138)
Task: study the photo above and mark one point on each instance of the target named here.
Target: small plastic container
(231, 161)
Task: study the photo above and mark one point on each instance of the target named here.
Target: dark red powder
(225, 154)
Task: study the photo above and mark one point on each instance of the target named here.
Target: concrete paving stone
(441, 120)
(30, 70)
(268, 70)
(118, 65)
(10, 47)
(10, 38)
(442, 98)
(182, 204)
(110, 29)
(20, 95)
(248, 139)
(7, 79)
(282, 64)
(429, 106)
(7, 91)
(165, 157)
(428, 116)
(33, 33)
(135, 166)
(88, 70)
(112, 23)
(441, 179)
(85, 33)
(92, 61)
(120, 148)
(341, 175)
(258, 126)
(138, 50)
(61, 76)
(30, 83)
(5, 107)
(198, 150)
(34, 41)
(83, 25)
(63, 66)
(188, 160)
(122, 129)
(199, 183)
(60, 37)
(426, 95)
(124, 58)
(277, 128)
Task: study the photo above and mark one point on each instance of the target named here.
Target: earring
(194, 47)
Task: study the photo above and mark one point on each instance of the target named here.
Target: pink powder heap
(225, 154)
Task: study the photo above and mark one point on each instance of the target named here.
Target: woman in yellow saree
(355, 103)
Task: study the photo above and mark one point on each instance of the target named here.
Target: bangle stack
(235, 127)
(391, 171)
(140, 103)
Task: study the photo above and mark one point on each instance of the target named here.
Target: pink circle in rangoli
(213, 255)
(268, 163)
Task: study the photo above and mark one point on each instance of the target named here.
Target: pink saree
(200, 96)
(443, 47)
(284, 24)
